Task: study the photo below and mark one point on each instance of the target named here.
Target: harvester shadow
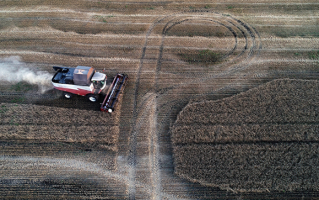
(54, 98)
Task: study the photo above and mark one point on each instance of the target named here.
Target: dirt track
(152, 43)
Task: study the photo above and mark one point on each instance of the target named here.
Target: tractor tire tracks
(132, 160)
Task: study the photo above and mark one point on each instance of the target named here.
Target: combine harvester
(85, 81)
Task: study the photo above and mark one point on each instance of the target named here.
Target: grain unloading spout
(113, 93)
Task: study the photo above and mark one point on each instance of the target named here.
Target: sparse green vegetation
(18, 100)
(230, 7)
(21, 87)
(291, 31)
(3, 109)
(150, 8)
(207, 7)
(100, 18)
(220, 34)
(314, 55)
(11, 121)
(202, 57)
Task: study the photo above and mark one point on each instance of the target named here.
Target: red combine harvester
(85, 81)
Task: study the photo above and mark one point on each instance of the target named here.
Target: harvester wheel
(93, 98)
(67, 95)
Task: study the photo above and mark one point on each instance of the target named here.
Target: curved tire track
(173, 101)
(155, 133)
(133, 142)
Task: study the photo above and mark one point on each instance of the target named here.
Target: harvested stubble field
(43, 123)
(265, 139)
(174, 52)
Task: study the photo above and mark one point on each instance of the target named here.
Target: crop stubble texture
(265, 139)
(53, 124)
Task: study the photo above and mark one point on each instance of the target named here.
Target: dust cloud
(14, 71)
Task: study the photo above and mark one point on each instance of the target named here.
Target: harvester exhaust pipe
(113, 93)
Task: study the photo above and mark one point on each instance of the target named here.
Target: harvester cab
(99, 80)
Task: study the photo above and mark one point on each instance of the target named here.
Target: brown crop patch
(205, 28)
(264, 139)
(206, 57)
(287, 31)
(96, 28)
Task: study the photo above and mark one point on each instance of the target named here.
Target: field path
(150, 151)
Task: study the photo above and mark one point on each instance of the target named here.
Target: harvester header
(113, 93)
